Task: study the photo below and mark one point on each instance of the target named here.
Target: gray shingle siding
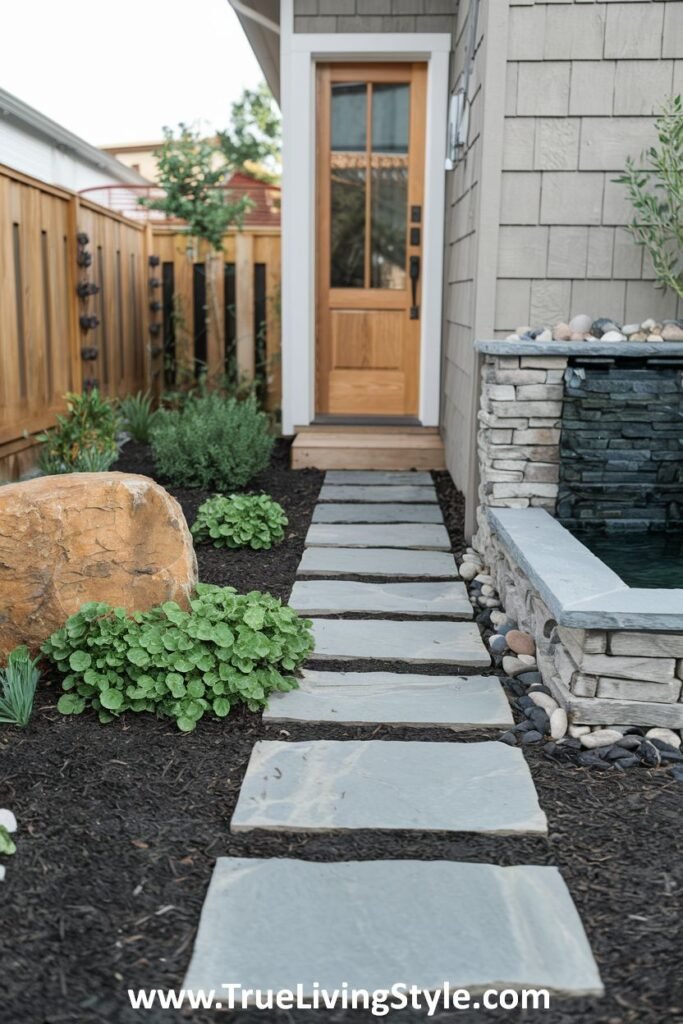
(375, 15)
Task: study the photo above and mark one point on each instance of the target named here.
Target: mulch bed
(120, 827)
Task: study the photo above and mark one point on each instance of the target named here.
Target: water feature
(648, 560)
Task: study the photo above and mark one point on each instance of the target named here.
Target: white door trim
(299, 53)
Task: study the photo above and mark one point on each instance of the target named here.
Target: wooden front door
(370, 204)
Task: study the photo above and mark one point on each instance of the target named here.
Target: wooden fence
(88, 296)
(221, 311)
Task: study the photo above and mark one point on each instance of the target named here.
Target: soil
(120, 826)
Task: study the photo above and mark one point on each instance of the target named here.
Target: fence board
(40, 334)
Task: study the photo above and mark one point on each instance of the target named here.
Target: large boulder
(66, 540)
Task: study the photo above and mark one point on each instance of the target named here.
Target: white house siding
(32, 155)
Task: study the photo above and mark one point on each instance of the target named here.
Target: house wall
(580, 82)
(583, 80)
(374, 15)
(36, 156)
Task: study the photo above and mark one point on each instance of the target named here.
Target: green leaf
(79, 661)
(138, 656)
(255, 616)
(7, 846)
(111, 699)
(70, 704)
(221, 707)
(186, 724)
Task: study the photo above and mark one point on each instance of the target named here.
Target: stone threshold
(579, 589)
(613, 349)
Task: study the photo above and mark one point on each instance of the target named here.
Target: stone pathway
(330, 597)
(278, 922)
(321, 785)
(358, 698)
(416, 536)
(379, 513)
(377, 562)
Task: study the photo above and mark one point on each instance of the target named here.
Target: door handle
(414, 272)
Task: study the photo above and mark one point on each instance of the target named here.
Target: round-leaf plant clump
(228, 649)
(239, 521)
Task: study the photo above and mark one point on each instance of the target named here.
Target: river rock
(558, 723)
(580, 324)
(66, 540)
(629, 329)
(600, 738)
(521, 643)
(576, 731)
(543, 700)
(468, 570)
(497, 644)
(562, 332)
(613, 336)
(672, 332)
(648, 325)
(7, 820)
(665, 736)
(602, 326)
(512, 666)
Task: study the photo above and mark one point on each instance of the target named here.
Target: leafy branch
(656, 194)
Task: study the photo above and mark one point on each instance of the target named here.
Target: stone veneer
(600, 666)
(600, 676)
(638, 404)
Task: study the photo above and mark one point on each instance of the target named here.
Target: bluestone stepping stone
(425, 536)
(377, 562)
(320, 597)
(382, 478)
(274, 923)
(357, 698)
(332, 785)
(379, 513)
(332, 492)
(457, 643)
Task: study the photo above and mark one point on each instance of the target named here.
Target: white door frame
(299, 53)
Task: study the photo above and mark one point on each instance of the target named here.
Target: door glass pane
(390, 118)
(389, 177)
(349, 116)
(389, 183)
(347, 256)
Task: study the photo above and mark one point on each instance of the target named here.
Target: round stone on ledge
(580, 324)
(672, 332)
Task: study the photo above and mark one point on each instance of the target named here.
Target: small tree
(193, 180)
(255, 133)
(656, 193)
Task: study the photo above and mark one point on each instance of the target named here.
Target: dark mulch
(121, 825)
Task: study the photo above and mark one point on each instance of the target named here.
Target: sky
(115, 72)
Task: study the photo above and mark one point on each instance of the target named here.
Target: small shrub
(240, 521)
(212, 443)
(18, 687)
(656, 195)
(83, 441)
(228, 649)
(138, 416)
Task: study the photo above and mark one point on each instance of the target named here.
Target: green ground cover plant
(239, 521)
(138, 415)
(85, 439)
(212, 442)
(228, 649)
(18, 682)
